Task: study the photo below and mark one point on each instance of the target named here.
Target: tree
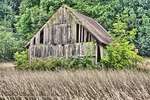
(143, 38)
(121, 55)
(8, 45)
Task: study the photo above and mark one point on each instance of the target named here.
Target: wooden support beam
(101, 51)
(79, 34)
(49, 34)
(96, 52)
(83, 34)
(69, 33)
(74, 31)
(29, 53)
(81, 27)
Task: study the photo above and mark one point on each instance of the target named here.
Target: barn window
(42, 37)
(77, 30)
(34, 41)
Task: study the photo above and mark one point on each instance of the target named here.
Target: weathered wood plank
(79, 34)
(69, 34)
(38, 38)
(49, 34)
(85, 35)
(73, 31)
(67, 50)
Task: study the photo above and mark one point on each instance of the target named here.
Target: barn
(69, 34)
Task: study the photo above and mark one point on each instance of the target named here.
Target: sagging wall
(63, 35)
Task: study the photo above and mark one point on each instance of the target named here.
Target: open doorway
(34, 41)
(41, 37)
(77, 30)
(98, 53)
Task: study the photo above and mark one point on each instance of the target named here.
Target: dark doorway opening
(77, 30)
(34, 41)
(98, 54)
(41, 37)
(87, 36)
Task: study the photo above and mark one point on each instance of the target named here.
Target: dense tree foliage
(127, 19)
(8, 41)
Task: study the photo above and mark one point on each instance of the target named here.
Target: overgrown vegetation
(54, 63)
(76, 85)
(121, 55)
(21, 58)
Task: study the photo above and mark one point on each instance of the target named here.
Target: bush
(45, 64)
(121, 55)
(78, 63)
(21, 59)
(56, 64)
(8, 46)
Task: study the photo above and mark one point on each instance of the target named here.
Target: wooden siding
(68, 50)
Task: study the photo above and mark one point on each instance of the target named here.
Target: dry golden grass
(7, 66)
(78, 85)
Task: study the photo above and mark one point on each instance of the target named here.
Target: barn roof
(92, 25)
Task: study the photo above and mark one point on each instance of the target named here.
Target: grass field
(7, 66)
(78, 85)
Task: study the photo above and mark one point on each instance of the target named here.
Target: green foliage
(143, 40)
(53, 63)
(121, 52)
(121, 55)
(21, 59)
(78, 63)
(8, 45)
(26, 27)
(30, 22)
(46, 64)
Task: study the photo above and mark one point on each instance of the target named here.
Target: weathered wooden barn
(69, 34)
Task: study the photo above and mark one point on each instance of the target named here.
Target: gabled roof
(92, 25)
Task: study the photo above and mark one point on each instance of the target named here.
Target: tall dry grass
(78, 85)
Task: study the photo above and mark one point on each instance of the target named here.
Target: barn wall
(68, 50)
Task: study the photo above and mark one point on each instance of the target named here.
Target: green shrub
(45, 64)
(121, 55)
(21, 59)
(56, 64)
(76, 63)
